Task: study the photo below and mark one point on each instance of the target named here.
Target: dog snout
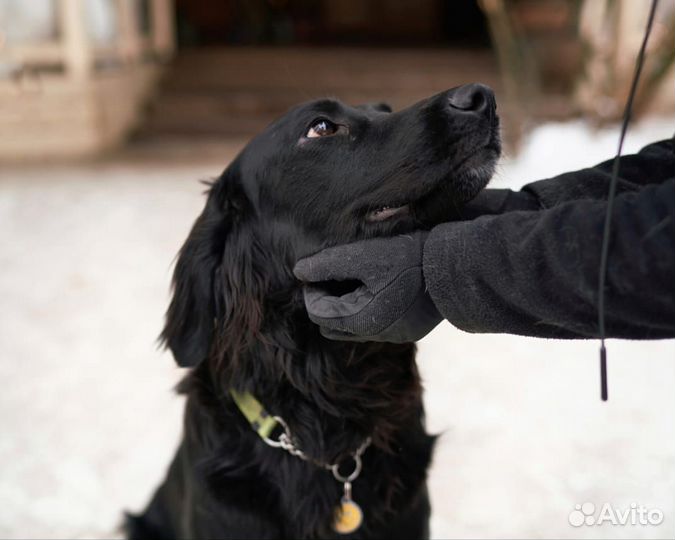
(471, 99)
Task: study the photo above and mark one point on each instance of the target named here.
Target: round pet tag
(348, 517)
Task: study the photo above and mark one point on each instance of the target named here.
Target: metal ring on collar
(281, 441)
(355, 473)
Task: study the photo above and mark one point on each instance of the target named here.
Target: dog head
(325, 173)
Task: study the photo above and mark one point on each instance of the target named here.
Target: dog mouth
(458, 187)
(383, 213)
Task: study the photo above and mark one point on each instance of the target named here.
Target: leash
(348, 515)
(604, 255)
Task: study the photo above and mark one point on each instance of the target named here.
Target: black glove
(372, 290)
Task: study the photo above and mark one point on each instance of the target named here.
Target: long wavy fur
(237, 318)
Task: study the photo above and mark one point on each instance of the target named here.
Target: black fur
(238, 319)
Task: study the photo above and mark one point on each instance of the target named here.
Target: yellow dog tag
(348, 517)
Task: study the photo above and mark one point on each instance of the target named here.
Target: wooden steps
(236, 92)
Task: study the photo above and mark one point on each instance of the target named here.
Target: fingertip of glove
(302, 269)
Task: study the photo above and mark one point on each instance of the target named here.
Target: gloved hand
(381, 297)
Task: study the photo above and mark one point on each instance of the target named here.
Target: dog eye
(321, 128)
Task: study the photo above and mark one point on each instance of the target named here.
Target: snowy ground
(89, 422)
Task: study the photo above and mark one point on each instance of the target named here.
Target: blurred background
(110, 113)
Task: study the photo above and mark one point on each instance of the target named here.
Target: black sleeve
(535, 273)
(651, 165)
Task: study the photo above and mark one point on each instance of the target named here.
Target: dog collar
(261, 421)
(348, 515)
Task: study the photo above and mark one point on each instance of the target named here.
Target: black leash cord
(610, 205)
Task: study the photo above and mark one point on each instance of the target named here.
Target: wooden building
(63, 93)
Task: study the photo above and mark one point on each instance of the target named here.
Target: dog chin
(473, 180)
(454, 191)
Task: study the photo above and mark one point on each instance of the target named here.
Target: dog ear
(212, 283)
(188, 330)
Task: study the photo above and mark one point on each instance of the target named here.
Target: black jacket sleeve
(652, 165)
(533, 270)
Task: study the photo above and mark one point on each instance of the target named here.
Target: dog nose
(472, 98)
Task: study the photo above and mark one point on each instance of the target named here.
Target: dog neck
(332, 394)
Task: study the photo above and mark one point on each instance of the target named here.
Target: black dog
(323, 174)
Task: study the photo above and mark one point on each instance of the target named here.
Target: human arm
(532, 267)
(651, 165)
(535, 273)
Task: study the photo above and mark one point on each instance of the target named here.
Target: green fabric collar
(262, 422)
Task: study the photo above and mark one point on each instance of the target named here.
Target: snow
(90, 422)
